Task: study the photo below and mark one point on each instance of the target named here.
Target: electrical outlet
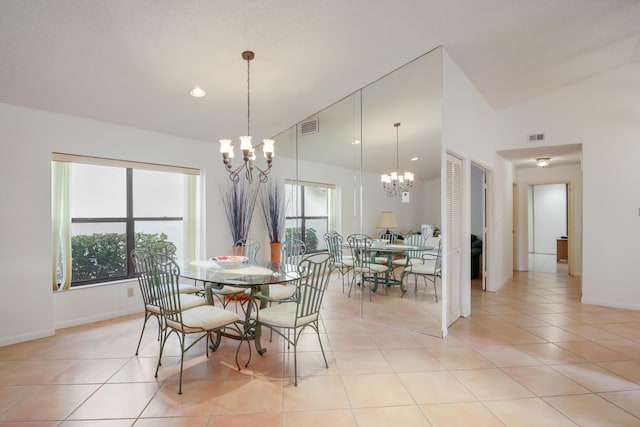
(129, 292)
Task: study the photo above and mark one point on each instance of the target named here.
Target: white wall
(29, 306)
(602, 113)
(469, 132)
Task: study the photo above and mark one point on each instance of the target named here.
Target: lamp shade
(386, 220)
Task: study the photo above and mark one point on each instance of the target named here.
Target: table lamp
(386, 220)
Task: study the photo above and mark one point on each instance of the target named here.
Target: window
(310, 213)
(113, 209)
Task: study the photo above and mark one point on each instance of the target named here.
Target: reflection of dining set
(283, 297)
(377, 261)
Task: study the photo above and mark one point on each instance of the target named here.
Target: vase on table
(275, 251)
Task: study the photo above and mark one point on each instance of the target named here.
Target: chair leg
(182, 342)
(435, 289)
(146, 317)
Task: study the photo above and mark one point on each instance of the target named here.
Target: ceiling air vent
(309, 127)
(536, 137)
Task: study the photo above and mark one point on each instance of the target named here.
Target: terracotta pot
(275, 251)
(237, 250)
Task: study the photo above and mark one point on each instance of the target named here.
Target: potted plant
(239, 202)
(274, 208)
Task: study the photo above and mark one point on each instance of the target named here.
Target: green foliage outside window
(310, 237)
(104, 255)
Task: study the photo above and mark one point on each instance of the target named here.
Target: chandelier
(248, 151)
(394, 183)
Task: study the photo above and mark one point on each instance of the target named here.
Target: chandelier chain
(248, 97)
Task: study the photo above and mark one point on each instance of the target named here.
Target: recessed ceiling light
(413, 159)
(356, 142)
(197, 92)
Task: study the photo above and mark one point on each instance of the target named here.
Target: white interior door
(485, 230)
(453, 240)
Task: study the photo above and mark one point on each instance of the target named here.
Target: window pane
(98, 191)
(98, 251)
(314, 234)
(293, 200)
(316, 201)
(170, 231)
(157, 194)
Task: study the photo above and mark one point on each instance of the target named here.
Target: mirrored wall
(341, 152)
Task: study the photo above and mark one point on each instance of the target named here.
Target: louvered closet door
(453, 237)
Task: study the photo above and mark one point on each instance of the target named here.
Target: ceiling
(133, 62)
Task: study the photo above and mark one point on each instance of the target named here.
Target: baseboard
(27, 337)
(611, 304)
(97, 318)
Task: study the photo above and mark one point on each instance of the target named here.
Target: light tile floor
(530, 355)
(546, 263)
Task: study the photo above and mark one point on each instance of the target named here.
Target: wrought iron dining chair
(292, 252)
(204, 320)
(363, 267)
(342, 263)
(290, 319)
(152, 291)
(427, 265)
(248, 248)
(411, 240)
(169, 249)
(227, 294)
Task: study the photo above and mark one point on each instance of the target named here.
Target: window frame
(300, 217)
(129, 221)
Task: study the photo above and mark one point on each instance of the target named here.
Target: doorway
(548, 225)
(479, 215)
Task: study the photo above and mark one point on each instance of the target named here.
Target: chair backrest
(389, 237)
(166, 277)
(414, 240)
(360, 245)
(159, 247)
(248, 248)
(439, 259)
(292, 251)
(333, 240)
(144, 264)
(315, 270)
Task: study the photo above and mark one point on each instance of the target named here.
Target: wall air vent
(309, 127)
(536, 137)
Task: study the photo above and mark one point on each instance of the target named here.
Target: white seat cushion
(187, 289)
(400, 261)
(204, 318)
(277, 291)
(281, 291)
(228, 290)
(282, 316)
(188, 301)
(428, 267)
(375, 268)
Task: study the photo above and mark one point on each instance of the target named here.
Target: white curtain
(61, 223)
(191, 217)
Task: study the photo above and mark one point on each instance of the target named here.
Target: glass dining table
(256, 277)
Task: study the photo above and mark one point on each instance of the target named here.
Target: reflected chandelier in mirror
(395, 183)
